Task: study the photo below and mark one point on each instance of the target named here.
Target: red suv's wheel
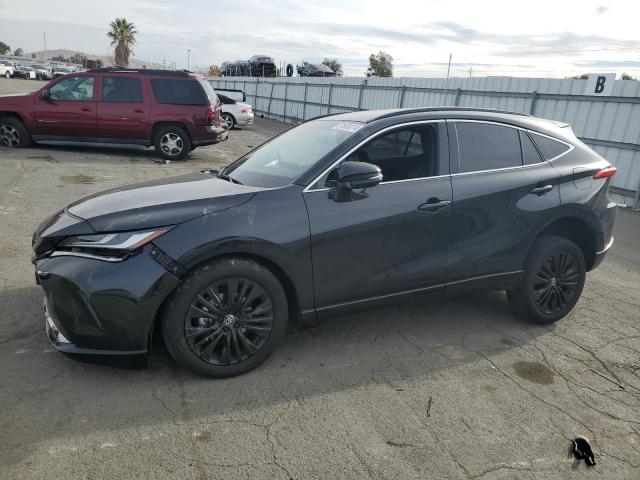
(172, 143)
(13, 133)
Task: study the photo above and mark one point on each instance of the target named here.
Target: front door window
(73, 89)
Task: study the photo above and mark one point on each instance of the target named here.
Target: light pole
(188, 57)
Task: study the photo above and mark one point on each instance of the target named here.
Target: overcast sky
(534, 38)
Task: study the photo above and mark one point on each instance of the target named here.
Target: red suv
(175, 111)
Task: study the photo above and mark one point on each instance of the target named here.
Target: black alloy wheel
(556, 282)
(552, 281)
(229, 321)
(226, 318)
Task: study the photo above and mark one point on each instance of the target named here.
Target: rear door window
(487, 146)
(550, 148)
(179, 92)
(121, 90)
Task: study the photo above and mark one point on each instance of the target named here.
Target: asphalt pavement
(458, 388)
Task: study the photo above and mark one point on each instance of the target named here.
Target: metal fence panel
(610, 125)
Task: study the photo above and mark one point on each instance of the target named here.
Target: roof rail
(143, 71)
(402, 111)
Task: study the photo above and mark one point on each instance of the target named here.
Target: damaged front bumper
(97, 307)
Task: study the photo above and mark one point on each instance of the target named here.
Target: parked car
(315, 70)
(262, 66)
(62, 70)
(24, 71)
(42, 72)
(235, 113)
(383, 205)
(234, 94)
(238, 68)
(6, 69)
(174, 111)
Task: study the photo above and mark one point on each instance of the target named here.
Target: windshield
(286, 157)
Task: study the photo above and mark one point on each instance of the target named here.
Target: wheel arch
(235, 120)
(576, 229)
(168, 123)
(293, 300)
(230, 114)
(10, 113)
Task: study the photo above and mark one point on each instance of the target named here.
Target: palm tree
(122, 35)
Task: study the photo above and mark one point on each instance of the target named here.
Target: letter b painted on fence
(600, 84)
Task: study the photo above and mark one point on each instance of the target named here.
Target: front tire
(552, 281)
(14, 133)
(7, 75)
(172, 143)
(226, 318)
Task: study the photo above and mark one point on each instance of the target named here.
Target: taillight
(605, 172)
(213, 115)
(245, 110)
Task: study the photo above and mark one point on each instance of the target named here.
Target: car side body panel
(124, 120)
(273, 227)
(494, 215)
(583, 196)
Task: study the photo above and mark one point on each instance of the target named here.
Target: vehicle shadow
(61, 396)
(126, 152)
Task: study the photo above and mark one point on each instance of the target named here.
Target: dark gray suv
(341, 212)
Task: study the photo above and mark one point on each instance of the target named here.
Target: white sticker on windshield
(348, 126)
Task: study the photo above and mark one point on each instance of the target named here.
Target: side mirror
(355, 176)
(45, 95)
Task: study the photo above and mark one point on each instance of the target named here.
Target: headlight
(107, 246)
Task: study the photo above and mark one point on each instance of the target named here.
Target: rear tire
(172, 143)
(226, 318)
(7, 75)
(229, 121)
(552, 281)
(14, 133)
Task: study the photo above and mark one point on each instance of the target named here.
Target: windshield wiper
(228, 178)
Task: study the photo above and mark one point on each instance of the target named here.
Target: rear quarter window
(530, 154)
(178, 92)
(550, 148)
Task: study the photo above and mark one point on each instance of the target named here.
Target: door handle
(541, 190)
(433, 205)
(138, 111)
(85, 109)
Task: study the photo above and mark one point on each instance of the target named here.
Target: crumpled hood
(155, 203)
